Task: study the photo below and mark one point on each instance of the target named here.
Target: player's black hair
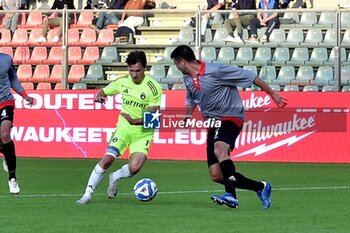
(136, 57)
(183, 52)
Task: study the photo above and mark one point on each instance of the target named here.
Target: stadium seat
(292, 15)
(290, 87)
(219, 36)
(166, 54)
(277, 37)
(43, 86)
(76, 73)
(294, 38)
(95, 73)
(268, 73)
(24, 72)
(208, 54)
(328, 88)
(244, 55)
(330, 38)
(21, 55)
(313, 37)
(35, 19)
(262, 56)
(173, 75)
(5, 37)
(84, 20)
(178, 86)
(280, 56)
(20, 37)
(28, 85)
(73, 36)
(34, 35)
(87, 37)
(308, 18)
(91, 54)
(275, 87)
(208, 36)
(346, 37)
(55, 55)
(345, 89)
(38, 56)
(324, 76)
(345, 19)
(345, 75)
(318, 57)
(186, 36)
(41, 72)
(164, 86)
(304, 75)
(226, 55)
(299, 56)
(58, 86)
(79, 86)
(253, 69)
(330, 61)
(50, 36)
(285, 75)
(253, 88)
(310, 88)
(7, 50)
(55, 75)
(327, 19)
(157, 71)
(109, 55)
(74, 55)
(105, 37)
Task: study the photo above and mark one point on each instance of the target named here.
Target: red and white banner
(69, 124)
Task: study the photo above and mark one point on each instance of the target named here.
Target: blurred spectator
(265, 18)
(55, 19)
(211, 18)
(298, 3)
(239, 20)
(11, 19)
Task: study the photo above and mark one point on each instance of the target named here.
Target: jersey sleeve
(156, 90)
(112, 88)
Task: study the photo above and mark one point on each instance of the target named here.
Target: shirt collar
(201, 68)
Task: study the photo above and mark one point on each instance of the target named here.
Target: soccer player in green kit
(140, 93)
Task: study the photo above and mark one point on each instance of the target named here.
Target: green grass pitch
(305, 198)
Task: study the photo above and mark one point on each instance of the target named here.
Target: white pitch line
(171, 192)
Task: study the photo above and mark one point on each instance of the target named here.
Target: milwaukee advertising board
(314, 127)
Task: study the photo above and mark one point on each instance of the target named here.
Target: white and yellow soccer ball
(145, 189)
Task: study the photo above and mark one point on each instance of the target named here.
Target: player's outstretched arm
(279, 100)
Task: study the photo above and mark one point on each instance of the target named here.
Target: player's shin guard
(228, 169)
(10, 157)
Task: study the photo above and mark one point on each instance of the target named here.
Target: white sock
(96, 176)
(123, 172)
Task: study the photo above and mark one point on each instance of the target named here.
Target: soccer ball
(145, 189)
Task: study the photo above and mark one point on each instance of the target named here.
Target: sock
(228, 169)
(95, 179)
(243, 182)
(123, 172)
(10, 157)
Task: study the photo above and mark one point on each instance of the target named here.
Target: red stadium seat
(5, 37)
(56, 74)
(76, 73)
(20, 37)
(50, 36)
(74, 55)
(73, 36)
(35, 19)
(87, 37)
(22, 54)
(28, 86)
(34, 35)
(55, 55)
(39, 55)
(105, 37)
(24, 72)
(44, 86)
(91, 54)
(41, 72)
(84, 20)
(58, 86)
(7, 50)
